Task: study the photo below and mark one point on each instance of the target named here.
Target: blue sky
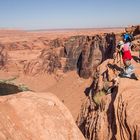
(48, 14)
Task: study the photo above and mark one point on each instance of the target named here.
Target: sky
(54, 14)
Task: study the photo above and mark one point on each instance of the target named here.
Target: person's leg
(127, 71)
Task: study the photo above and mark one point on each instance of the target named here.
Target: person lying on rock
(128, 69)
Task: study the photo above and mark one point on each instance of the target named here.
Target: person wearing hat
(126, 51)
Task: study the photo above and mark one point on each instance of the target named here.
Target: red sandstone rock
(115, 116)
(36, 116)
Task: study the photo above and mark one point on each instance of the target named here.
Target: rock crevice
(111, 112)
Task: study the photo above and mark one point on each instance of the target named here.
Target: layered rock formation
(105, 115)
(81, 53)
(37, 43)
(47, 62)
(136, 41)
(36, 116)
(111, 112)
(135, 30)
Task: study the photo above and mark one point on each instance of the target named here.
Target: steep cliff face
(135, 31)
(36, 116)
(47, 62)
(81, 53)
(111, 112)
(127, 112)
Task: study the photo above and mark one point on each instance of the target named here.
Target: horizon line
(59, 29)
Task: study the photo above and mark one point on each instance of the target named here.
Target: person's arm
(120, 49)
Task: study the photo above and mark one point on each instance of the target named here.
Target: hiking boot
(134, 76)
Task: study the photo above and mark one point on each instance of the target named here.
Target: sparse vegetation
(98, 97)
(22, 87)
(8, 80)
(7, 86)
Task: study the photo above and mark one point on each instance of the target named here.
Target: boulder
(36, 116)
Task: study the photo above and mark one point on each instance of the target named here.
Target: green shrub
(98, 97)
(22, 87)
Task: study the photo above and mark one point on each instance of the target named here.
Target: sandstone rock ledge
(116, 116)
(36, 116)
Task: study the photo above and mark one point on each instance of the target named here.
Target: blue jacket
(127, 37)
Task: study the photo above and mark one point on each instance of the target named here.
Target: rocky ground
(24, 57)
(115, 115)
(36, 116)
(73, 65)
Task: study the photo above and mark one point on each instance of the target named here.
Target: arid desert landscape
(65, 85)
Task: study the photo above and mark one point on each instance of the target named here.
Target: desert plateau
(65, 85)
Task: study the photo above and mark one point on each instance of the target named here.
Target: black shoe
(133, 76)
